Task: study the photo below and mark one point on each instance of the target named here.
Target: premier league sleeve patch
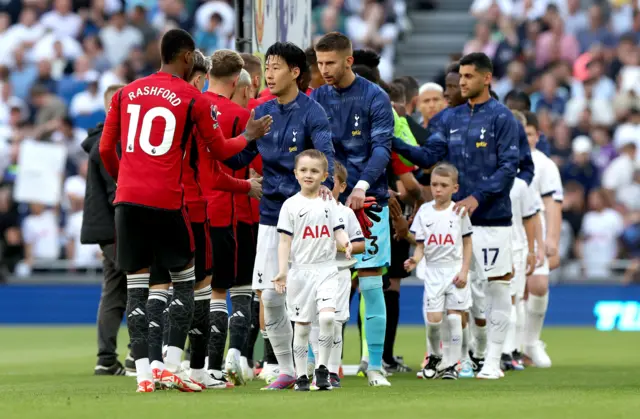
(214, 116)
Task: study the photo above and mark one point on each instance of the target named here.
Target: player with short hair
(430, 101)
(547, 183)
(310, 228)
(481, 140)
(299, 124)
(229, 213)
(153, 117)
(253, 65)
(362, 126)
(316, 79)
(443, 239)
(242, 93)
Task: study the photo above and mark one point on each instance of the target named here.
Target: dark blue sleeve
(508, 157)
(526, 162)
(320, 131)
(381, 120)
(435, 149)
(243, 158)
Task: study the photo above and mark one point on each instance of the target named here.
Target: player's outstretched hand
(466, 207)
(372, 209)
(410, 264)
(531, 263)
(365, 222)
(256, 188)
(460, 280)
(355, 201)
(280, 283)
(325, 193)
(395, 210)
(256, 128)
(348, 249)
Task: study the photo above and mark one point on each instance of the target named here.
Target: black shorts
(247, 241)
(203, 259)
(399, 253)
(234, 254)
(145, 235)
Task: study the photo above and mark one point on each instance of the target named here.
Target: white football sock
(279, 330)
(313, 340)
(173, 359)
(510, 338)
(157, 365)
(335, 358)
(445, 337)
(480, 337)
(520, 320)
(499, 297)
(326, 319)
(433, 336)
(465, 342)
(455, 343)
(143, 370)
(536, 310)
(301, 348)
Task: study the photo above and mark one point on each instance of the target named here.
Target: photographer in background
(98, 227)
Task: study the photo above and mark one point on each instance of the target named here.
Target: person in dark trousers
(98, 227)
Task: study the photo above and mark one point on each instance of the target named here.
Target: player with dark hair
(316, 77)
(154, 116)
(481, 140)
(520, 101)
(299, 124)
(362, 126)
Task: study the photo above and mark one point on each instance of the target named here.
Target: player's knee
(272, 299)
(206, 282)
(326, 319)
(434, 318)
(481, 322)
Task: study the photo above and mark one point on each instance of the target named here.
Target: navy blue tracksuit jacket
(482, 143)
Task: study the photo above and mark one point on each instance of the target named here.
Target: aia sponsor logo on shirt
(316, 232)
(440, 240)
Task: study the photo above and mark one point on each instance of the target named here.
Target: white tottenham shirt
(600, 232)
(546, 182)
(352, 227)
(524, 204)
(441, 232)
(311, 223)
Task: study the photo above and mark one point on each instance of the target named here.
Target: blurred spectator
(515, 79)
(573, 206)
(49, 110)
(22, 75)
(227, 25)
(629, 195)
(603, 87)
(326, 19)
(172, 11)
(630, 240)
(491, 8)
(575, 19)
(41, 237)
(598, 242)
(118, 38)
(72, 137)
(481, 41)
(597, 33)
(621, 12)
(45, 78)
(61, 20)
(549, 98)
(556, 44)
(507, 51)
(580, 167)
(626, 55)
(25, 33)
(207, 39)
(603, 151)
(560, 143)
(138, 19)
(619, 173)
(629, 131)
(95, 52)
(10, 235)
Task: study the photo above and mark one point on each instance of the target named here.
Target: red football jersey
(153, 118)
(225, 206)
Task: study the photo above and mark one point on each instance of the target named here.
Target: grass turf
(47, 373)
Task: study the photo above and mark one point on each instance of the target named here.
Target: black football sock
(165, 321)
(199, 332)
(218, 325)
(240, 318)
(137, 295)
(156, 303)
(254, 329)
(269, 355)
(360, 326)
(392, 302)
(181, 308)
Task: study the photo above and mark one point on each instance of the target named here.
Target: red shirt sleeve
(256, 164)
(110, 137)
(224, 182)
(398, 166)
(211, 139)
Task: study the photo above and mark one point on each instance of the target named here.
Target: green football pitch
(47, 373)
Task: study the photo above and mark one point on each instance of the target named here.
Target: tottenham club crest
(482, 131)
(356, 118)
(294, 135)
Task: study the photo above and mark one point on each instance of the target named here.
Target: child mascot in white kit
(310, 228)
(443, 245)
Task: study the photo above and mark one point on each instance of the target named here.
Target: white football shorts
(342, 295)
(439, 292)
(310, 289)
(266, 267)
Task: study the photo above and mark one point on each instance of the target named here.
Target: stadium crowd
(577, 62)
